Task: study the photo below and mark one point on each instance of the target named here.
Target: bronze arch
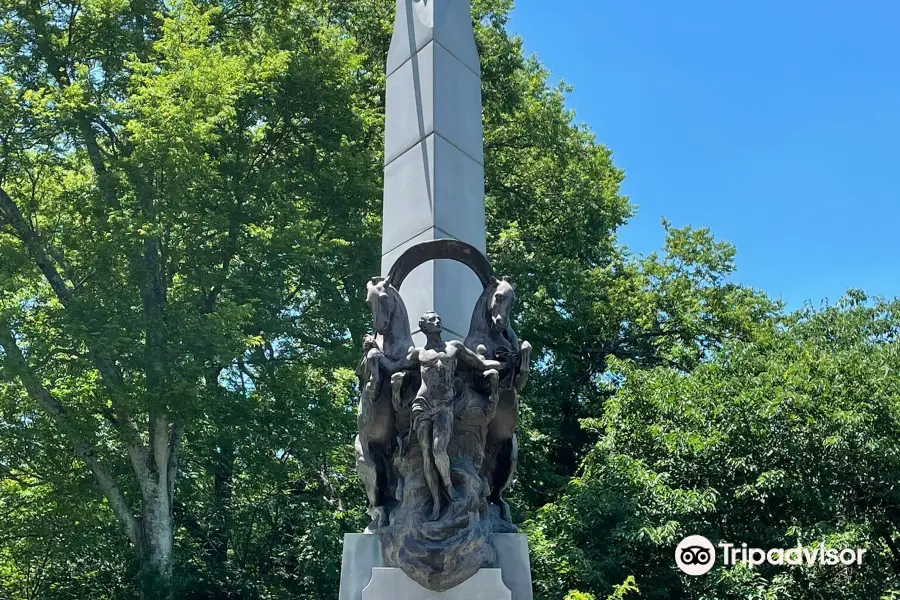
(441, 249)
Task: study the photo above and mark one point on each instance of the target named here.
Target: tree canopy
(787, 439)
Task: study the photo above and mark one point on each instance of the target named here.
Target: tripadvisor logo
(696, 555)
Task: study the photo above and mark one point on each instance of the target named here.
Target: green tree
(793, 437)
(179, 189)
(189, 206)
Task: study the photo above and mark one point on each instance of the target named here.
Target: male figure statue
(432, 410)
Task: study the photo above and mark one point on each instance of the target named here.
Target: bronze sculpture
(436, 447)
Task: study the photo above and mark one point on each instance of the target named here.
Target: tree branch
(22, 228)
(234, 228)
(174, 451)
(42, 39)
(17, 365)
(109, 372)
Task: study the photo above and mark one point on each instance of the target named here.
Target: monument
(440, 375)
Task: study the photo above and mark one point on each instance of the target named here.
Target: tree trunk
(155, 549)
(157, 531)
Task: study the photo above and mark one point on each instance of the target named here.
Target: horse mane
(399, 338)
(480, 326)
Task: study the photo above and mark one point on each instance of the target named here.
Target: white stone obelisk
(434, 155)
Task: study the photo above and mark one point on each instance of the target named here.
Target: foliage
(189, 208)
(185, 192)
(784, 440)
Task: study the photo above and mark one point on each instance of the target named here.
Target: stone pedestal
(393, 584)
(364, 577)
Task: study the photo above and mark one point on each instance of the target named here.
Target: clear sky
(774, 123)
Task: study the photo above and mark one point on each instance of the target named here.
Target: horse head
(503, 295)
(491, 325)
(389, 317)
(381, 304)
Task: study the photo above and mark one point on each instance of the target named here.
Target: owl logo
(695, 555)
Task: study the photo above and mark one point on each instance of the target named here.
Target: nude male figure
(432, 410)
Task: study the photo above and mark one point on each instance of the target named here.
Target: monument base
(364, 576)
(393, 584)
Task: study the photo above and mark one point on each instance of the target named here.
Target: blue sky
(776, 124)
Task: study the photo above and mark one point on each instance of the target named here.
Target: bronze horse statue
(385, 350)
(440, 549)
(491, 334)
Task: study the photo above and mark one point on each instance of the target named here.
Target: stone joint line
(434, 41)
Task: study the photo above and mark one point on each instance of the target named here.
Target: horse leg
(396, 387)
(522, 376)
(367, 468)
(373, 447)
(506, 461)
(489, 466)
(504, 449)
(373, 366)
(493, 377)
